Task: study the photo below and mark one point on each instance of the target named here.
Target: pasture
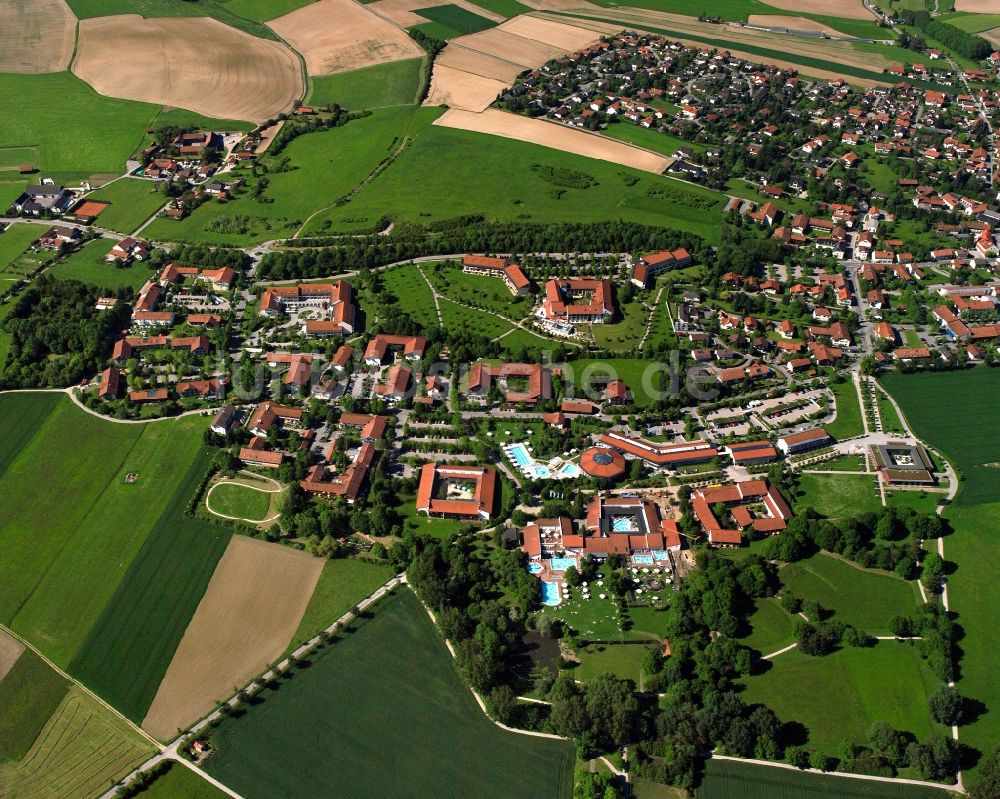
(78, 754)
(29, 694)
(508, 188)
(841, 695)
(88, 265)
(23, 413)
(342, 584)
(862, 597)
(181, 783)
(130, 646)
(247, 615)
(263, 10)
(190, 62)
(72, 549)
(837, 495)
(36, 36)
(379, 86)
(726, 779)
(133, 201)
(231, 12)
(339, 713)
(923, 397)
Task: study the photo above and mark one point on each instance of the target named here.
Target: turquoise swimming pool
(550, 593)
(535, 568)
(519, 454)
(561, 564)
(644, 559)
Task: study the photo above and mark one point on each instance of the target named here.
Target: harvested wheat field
(10, 651)
(341, 35)
(197, 63)
(849, 9)
(556, 136)
(559, 5)
(400, 12)
(975, 6)
(992, 36)
(792, 23)
(562, 35)
(251, 609)
(36, 35)
(472, 61)
(458, 89)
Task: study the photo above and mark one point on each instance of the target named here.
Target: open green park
(837, 495)
(239, 501)
(769, 628)
(956, 429)
(89, 265)
(338, 711)
(848, 420)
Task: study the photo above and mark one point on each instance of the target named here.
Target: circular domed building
(602, 463)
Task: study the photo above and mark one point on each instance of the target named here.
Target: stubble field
(36, 35)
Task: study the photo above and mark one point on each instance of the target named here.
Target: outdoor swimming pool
(550, 593)
(660, 554)
(642, 558)
(535, 568)
(623, 525)
(569, 470)
(519, 454)
(541, 472)
(561, 564)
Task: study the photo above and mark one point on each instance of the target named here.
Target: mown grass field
(848, 420)
(181, 783)
(866, 599)
(725, 779)
(241, 14)
(239, 501)
(490, 292)
(29, 695)
(472, 173)
(88, 265)
(448, 21)
(23, 414)
(655, 140)
(340, 713)
(79, 753)
(769, 628)
(841, 695)
(629, 370)
(379, 86)
(622, 660)
(343, 583)
(130, 646)
(920, 501)
(326, 166)
(75, 525)
(132, 200)
(413, 296)
(838, 495)
(14, 241)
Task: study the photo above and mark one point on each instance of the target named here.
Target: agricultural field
(863, 597)
(324, 715)
(327, 166)
(23, 414)
(839, 696)
(449, 21)
(29, 694)
(88, 264)
(263, 10)
(769, 628)
(506, 8)
(725, 779)
(379, 86)
(80, 751)
(229, 12)
(253, 604)
(181, 782)
(36, 36)
(75, 552)
(972, 23)
(343, 583)
(128, 650)
(837, 495)
(133, 201)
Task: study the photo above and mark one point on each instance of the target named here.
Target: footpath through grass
(386, 714)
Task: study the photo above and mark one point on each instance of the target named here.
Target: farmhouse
(524, 383)
(660, 454)
(750, 503)
(412, 348)
(56, 237)
(128, 250)
(504, 268)
(43, 198)
(464, 492)
(804, 441)
(578, 300)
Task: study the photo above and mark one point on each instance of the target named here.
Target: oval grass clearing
(238, 501)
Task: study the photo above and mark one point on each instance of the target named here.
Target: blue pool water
(622, 525)
(542, 472)
(570, 470)
(550, 593)
(520, 455)
(660, 554)
(642, 559)
(535, 568)
(561, 564)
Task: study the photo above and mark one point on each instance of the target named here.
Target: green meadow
(241, 14)
(448, 21)
(769, 628)
(838, 495)
(29, 694)
(240, 501)
(382, 85)
(133, 201)
(88, 264)
(848, 420)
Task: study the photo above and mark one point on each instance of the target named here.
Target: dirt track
(250, 611)
(188, 62)
(556, 136)
(341, 35)
(36, 35)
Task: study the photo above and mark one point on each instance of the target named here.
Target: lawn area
(437, 528)
(382, 85)
(23, 413)
(72, 549)
(518, 341)
(629, 370)
(655, 140)
(842, 463)
(481, 323)
(14, 241)
(481, 290)
(596, 619)
(841, 695)
(862, 597)
(836, 495)
(240, 501)
(181, 783)
(647, 619)
(890, 419)
(770, 627)
(507, 188)
(133, 201)
(624, 335)
(622, 660)
(920, 501)
(412, 293)
(80, 752)
(726, 779)
(333, 713)
(449, 21)
(326, 165)
(343, 583)
(29, 695)
(130, 646)
(848, 422)
(88, 265)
